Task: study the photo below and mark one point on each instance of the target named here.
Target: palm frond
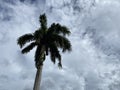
(66, 45)
(43, 21)
(22, 40)
(60, 64)
(38, 34)
(57, 28)
(54, 54)
(52, 57)
(61, 42)
(29, 47)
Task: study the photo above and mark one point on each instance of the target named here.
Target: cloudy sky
(93, 64)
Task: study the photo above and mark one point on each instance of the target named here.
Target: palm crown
(47, 40)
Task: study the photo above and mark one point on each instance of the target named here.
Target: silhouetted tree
(47, 41)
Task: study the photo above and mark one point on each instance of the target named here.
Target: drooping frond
(60, 64)
(24, 39)
(57, 28)
(54, 54)
(52, 57)
(29, 47)
(61, 42)
(66, 44)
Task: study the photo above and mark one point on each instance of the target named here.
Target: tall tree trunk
(38, 78)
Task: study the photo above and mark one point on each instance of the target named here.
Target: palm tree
(47, 41)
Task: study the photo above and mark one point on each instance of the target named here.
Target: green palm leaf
(43, 21)
(38, 34)
(57, 28)
(29, 47)
(22, 40)
(54, 54)
(61, 42)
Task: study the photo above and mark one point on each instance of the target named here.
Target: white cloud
(92, 65)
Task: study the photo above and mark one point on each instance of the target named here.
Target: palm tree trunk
(38, 78)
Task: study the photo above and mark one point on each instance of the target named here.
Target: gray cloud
(92, 65)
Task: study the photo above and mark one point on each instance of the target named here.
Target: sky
(93, 64)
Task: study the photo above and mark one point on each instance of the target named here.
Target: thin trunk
(38, 78)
